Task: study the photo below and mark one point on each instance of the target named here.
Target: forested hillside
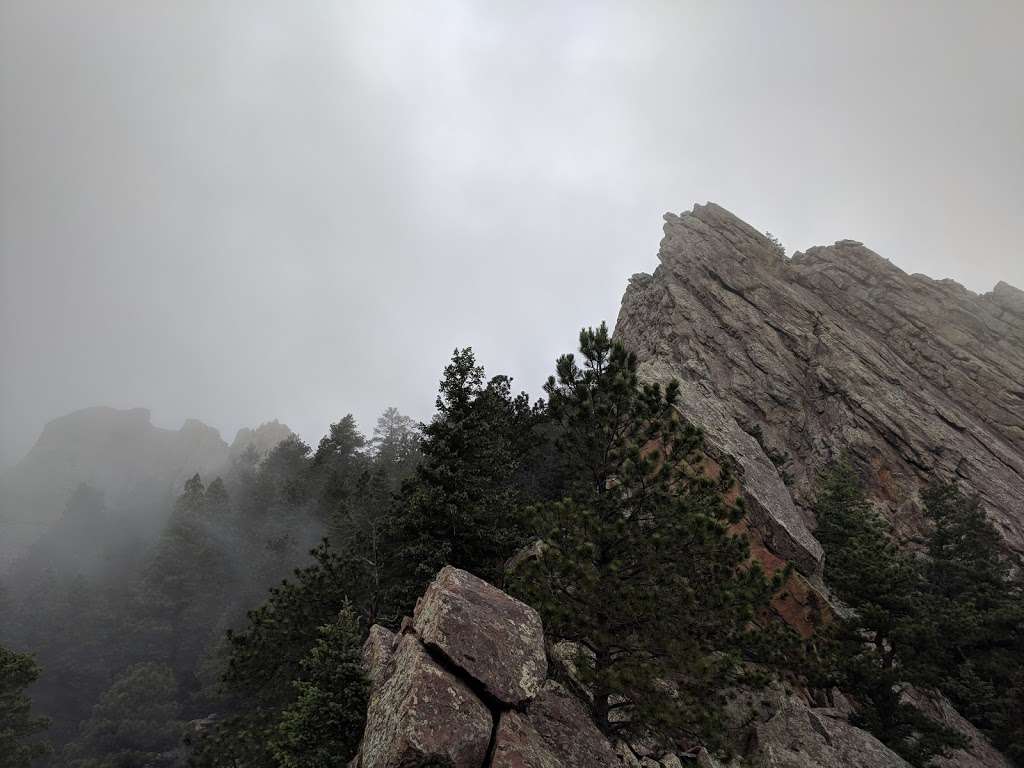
(234, 639)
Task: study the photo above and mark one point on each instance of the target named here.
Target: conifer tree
(876, 652)
(396, 445)
(267, 658)
(975, 610)
(638, 567)
(135, 721)
(459, 508)
(323, 726)
(183, 588)
(19, 728)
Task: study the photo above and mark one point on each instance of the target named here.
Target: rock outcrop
(787, 363)
(798, 736)
(464, 684)
(493, 638)
(442, 694)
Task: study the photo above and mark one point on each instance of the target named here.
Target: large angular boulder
(421, 712)
(494, 638)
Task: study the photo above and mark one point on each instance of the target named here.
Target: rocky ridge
(788, 362)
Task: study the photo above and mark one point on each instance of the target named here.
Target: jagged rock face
(979, 753)
(833, 350)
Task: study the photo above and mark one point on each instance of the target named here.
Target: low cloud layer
(237, 211)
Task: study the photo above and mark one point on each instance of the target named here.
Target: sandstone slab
(494, 638)
(422, 712)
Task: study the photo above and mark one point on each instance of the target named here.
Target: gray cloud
(244, 210)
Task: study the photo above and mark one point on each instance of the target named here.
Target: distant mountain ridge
(119, 452)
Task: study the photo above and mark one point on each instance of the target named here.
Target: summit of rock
(788, 363)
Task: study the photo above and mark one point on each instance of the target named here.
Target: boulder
(492, 637)
(421, 712)
(518, 745)
(567, 730)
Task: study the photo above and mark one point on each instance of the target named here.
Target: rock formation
(787, 363)
(465, 684)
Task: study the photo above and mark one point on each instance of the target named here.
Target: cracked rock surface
(464, 684)
(833, 350)
(494, 638)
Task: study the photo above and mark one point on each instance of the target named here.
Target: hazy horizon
(241, 212)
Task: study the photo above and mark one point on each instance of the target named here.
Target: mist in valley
(287, 294)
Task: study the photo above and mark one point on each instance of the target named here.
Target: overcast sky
(237, 211)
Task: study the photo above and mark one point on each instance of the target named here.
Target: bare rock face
(800, 737)
(420, 713)
(377, 653)
(787, 363)
(518, 745)
(979, 754)
(496, 639)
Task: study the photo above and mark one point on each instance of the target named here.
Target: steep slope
(787, 363)
(118, 452)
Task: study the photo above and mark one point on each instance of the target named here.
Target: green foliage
(323, 726)
(135, 722)
(876, 652)
(460, 507)
(396, 445)
(19, 728)
(269, 656)
(776, 244)
(638, 567)
(975, 610)
(183, 588)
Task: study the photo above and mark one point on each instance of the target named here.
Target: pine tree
(183, 590)
(19, 728)
(876, 652)
(396, 445)
(135, 721)
(324, 725)
(459, 508)
(267, 658)
(976, 613)
(638, 567)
